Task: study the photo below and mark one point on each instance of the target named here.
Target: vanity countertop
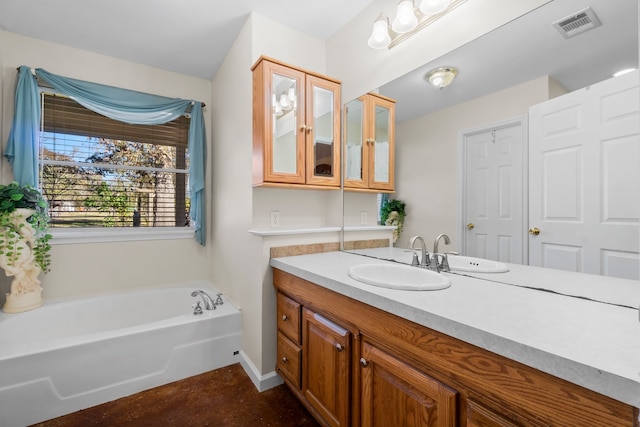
(560, 327)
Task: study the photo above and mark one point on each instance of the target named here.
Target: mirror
(512, 59)
(284, 120)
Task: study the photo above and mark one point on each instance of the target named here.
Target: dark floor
(224, 397)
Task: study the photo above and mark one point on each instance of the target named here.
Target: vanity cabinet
(296, 127)
(369, 143)
(326, 368)
(314, 359)
(396, 394)
(401, 373)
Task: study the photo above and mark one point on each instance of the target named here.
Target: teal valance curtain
(116, 103)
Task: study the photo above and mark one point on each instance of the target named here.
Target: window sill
(129, 234)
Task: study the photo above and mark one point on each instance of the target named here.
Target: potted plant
(24, 244)
(392, 213)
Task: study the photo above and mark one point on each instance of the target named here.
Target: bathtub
(74, 354)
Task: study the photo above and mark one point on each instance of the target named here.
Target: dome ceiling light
(441, 77)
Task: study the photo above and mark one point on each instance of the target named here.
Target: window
(99, 172)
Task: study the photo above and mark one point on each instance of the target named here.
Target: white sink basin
(398, 276)
(475, 265)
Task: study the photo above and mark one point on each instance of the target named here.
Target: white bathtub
(75, 354)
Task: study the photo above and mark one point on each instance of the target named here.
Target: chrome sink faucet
(208, 301)
(444, 262)
(424, 261)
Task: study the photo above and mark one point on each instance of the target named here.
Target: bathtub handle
(197, 309)
(219, 299)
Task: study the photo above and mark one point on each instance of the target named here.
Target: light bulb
(380, 37)
(432, 7)
(406, 20)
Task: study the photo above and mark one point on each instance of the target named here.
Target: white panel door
(585, 180)
(494, 227)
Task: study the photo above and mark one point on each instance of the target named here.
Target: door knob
(470, 226)
(534, 231)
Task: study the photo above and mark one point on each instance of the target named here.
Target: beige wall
(81, 269)
(239, 263)
(427, 156)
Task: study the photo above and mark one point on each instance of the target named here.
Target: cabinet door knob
(363, 362)
(302, 128)
(309, 129)
(534, 231)
(471, 226)
(339, 347)
(285, 360)
(284, 318)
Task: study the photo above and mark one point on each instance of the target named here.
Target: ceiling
(525, 49)
(192, 37)
(187, 36)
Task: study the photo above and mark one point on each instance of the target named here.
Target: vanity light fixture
(408, 21)
(441, 77)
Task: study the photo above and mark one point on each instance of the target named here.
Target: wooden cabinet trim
(264, 58)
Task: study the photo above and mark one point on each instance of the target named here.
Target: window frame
(75, 235)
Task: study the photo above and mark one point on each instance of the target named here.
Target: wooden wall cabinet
(296, 127)
(404, 374)
(369, 144)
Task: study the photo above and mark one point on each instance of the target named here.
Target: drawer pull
(339, 347)
(284, 318)
(285, 360)
(363, 362)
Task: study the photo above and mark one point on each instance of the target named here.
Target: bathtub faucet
(208, 302)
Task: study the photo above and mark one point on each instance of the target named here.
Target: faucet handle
(219, 300)
(443, 265)
(414, 260)
(452, 253)
(197, 309)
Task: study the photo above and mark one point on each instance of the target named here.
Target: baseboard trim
(261, 382)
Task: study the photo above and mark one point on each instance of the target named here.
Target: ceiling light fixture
(441, 77)
(408, 21)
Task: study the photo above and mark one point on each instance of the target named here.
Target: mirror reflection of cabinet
(369, 143)
(296, 126)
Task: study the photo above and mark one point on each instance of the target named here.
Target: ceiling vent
(577, 23)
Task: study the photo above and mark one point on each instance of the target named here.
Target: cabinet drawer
(289, 361)
(289, 318)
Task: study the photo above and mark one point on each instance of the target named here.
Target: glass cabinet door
(284, 151)
(381, 156)
(323, 132)
(369, 143)
(355, 163)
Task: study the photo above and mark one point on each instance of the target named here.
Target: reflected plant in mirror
(393, 213)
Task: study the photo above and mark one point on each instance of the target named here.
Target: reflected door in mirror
(369, 143)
